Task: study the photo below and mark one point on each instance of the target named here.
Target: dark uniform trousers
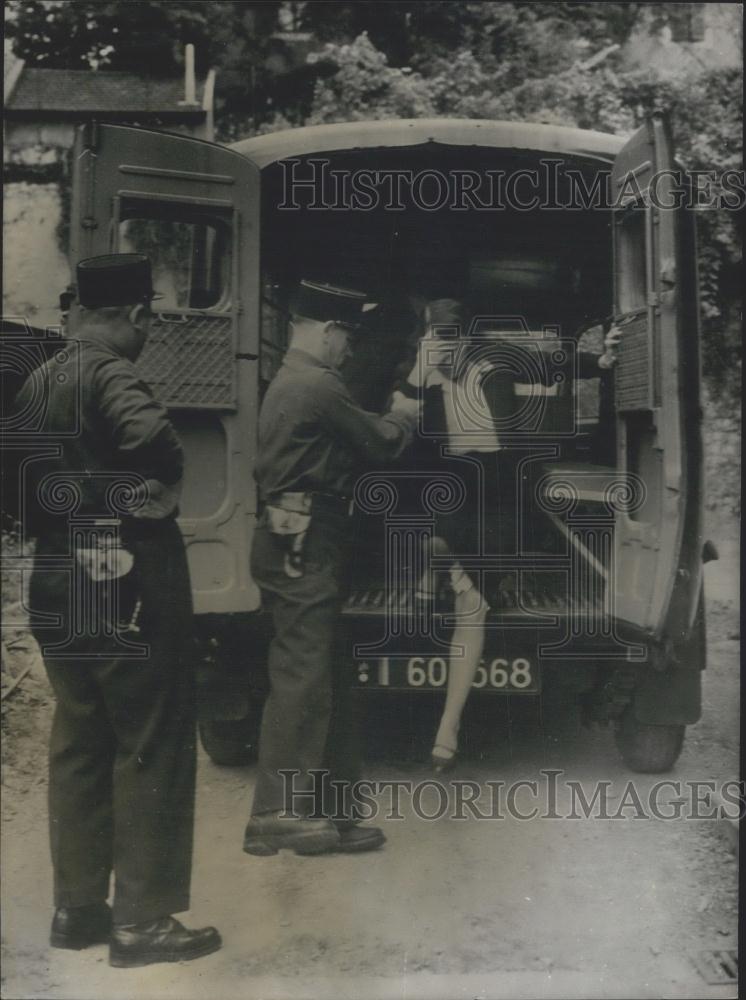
(309, 721)
(122, 749)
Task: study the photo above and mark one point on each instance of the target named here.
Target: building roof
(79, 91)
(265, 149)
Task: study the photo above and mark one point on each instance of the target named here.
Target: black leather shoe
(164, 940)
(267, 834)
(353, 839)
(78, 927)
(440, 764)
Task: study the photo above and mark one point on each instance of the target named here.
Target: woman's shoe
(439, 763)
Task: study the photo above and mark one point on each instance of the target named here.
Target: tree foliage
(413, 33)
(79, 34)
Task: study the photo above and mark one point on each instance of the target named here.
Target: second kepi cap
(114, 279)
(323, 302)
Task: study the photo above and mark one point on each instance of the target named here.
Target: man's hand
(611, 343)
(402, 404)
(155, 500)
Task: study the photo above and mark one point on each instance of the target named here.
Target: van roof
(266, 149)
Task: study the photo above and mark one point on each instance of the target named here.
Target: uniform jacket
(314, 437)
(105, 424)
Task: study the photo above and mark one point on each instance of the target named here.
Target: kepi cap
(114, 279)
(330, 303)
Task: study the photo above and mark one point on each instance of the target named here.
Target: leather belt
(332, 502)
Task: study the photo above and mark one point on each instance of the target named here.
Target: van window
(190, 255)
(631, 266)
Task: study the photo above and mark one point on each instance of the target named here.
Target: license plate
(498, 675)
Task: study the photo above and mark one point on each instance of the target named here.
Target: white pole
(190, 87)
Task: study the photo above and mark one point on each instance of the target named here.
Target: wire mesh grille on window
(635, 373)
(190, 363)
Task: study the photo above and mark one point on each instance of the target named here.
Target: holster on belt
(289, 517)
(105, 559)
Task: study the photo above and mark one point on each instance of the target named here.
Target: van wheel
(646, 748)
(231, 742)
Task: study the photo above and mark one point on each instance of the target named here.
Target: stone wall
(35, 144)
(35, 270)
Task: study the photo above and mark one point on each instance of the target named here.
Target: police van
(548, 234)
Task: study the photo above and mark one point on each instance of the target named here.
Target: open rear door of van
(193, 207)
(658, 533)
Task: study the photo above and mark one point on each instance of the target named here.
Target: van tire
(231, 742)
(646, 748)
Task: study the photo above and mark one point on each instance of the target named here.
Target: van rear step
(528, 601)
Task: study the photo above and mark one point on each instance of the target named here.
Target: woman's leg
(467, 644)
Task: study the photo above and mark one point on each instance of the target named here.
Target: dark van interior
(536, 288)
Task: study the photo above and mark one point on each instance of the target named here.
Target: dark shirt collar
(298, 359)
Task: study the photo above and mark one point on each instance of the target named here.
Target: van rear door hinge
(91, 136)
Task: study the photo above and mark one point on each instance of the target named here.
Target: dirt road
(497, 907)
